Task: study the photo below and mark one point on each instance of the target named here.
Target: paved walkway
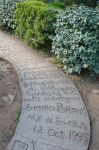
(53, 115)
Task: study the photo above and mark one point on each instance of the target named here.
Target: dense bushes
(55, 3)
(34, 23)
(77, 39)
(8, 8)
(76, 33)
(7, 14)
(64, 3)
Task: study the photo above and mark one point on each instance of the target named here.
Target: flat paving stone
(53, 115)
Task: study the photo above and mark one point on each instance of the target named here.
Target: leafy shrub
(34, 23)
(64, 3)
(76, 41)
(7, 14)
(55, 3)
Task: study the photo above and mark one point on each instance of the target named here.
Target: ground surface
(90, 94)
(10, 102)
(89, 91)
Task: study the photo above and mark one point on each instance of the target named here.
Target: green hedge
(76, 41)
(34, 23)
(54, 3)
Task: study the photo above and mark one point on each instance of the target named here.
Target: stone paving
(53, 115)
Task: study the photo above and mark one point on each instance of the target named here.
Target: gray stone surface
(53, 115)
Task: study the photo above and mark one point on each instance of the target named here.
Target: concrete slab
(53, 115)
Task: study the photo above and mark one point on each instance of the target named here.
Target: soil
(10, 102)
(89, 91)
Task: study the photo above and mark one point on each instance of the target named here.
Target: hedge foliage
(8, 8)
(76, 32)
(55, 3)
(34, 23)
(76, 41)
(7, 14)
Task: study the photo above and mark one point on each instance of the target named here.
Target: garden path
(53, 115)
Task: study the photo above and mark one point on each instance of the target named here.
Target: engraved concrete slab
(53, 115)
(20, 145)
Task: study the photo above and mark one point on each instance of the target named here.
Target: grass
(15, 119)
(57, 62)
